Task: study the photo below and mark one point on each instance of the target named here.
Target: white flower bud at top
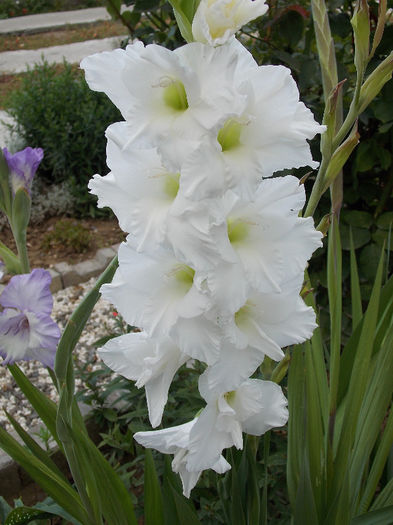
(215, 21)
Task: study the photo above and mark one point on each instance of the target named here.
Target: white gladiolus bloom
(272, 242)
(148, 200)
(269, 135)
(270, 321)
(164, 297)
(263, 325)
(175, 440)
(170, 99)
(215, 21)
(254, 407)
(152, 363)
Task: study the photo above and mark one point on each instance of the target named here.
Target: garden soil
(103, 233)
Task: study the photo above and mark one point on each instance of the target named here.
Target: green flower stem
(22, 253)
(318, 188)
(266, 451)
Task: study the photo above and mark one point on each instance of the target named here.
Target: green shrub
(54, 109)
(68, 232)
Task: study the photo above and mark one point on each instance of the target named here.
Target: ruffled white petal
(233, 367)
(260, 406)
(207, 440)
(152, 363)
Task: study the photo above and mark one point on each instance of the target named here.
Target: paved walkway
(19, 61)
(44, 22)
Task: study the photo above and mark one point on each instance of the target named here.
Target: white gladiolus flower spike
(215, 21)
(175, 440)
(254, 407)
(152, 363)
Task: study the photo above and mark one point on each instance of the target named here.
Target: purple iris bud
(26, 328)
(23, 165)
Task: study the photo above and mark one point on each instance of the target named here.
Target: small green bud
(340, 156)
(375, 82)
(11, 261)
(330, 119)
(324, 224)
(361, 30)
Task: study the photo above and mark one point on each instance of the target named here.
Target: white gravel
(101, 322)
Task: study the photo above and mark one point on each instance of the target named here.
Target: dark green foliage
(157, 25)
(54, 109)
(68, 232)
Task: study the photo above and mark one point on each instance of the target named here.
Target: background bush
(54, 109)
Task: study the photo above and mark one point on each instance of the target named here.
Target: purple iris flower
(23, 165)
(26, 328)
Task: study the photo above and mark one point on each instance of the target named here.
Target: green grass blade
(349, 352)
(376, 517)
(154, 514)
(237, 487)
(378, 465)
(253, 491)
(186, 515)
(296, 422)
(385, 497)
(77, 323)
(34, 447)
(315, 442)
(305, 511)
(334, 278)
(58, 489)
(371, 418)
(169, 505)
(25, 515)
(359, 378)
(356, 299)
(318, 361)
(108, 491)
(45, 407)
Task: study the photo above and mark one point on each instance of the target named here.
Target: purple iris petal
(29, 292)
(26, 328)
(23, 165)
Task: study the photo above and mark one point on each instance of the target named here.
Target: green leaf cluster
(340, 400)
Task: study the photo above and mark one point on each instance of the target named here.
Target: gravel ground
(100, 323)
